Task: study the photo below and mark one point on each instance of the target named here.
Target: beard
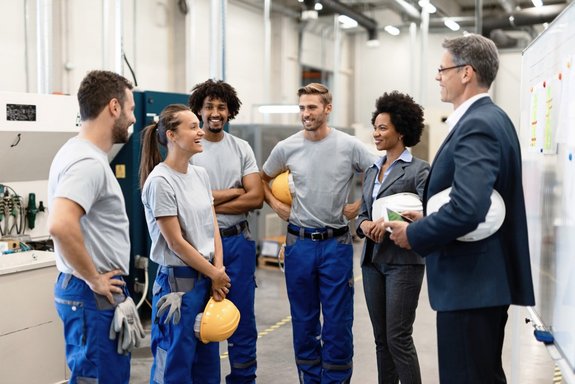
(120, 130)
(215, 130)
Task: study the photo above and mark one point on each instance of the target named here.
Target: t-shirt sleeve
(161, 198)
(363, 158)
(82, 183)
(249, 165)
(275, 163)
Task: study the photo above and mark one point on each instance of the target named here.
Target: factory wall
(170, 51)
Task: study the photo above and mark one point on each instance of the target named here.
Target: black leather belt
(317, 234)
(234, 229)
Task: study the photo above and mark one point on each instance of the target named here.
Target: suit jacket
(481, 153)
(403, 177)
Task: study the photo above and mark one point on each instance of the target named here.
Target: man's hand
(351, 210)
(412, 215)
(105, 284)
(398, 233)
(282, 210)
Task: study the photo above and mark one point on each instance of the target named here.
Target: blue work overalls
(240, 262)
(319, 276)
(90, 354)
(179, 356)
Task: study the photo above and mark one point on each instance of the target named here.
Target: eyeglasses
(440, 70)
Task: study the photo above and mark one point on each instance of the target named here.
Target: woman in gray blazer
(392, 276)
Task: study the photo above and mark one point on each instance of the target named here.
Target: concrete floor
(526, 361)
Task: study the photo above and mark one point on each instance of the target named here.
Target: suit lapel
(396, 172)
(370, 176)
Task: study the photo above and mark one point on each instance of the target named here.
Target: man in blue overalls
(237, 190)
(88, 222)
(319, 254)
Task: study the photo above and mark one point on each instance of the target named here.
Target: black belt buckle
(318, 236)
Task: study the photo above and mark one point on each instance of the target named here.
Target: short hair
(214, 90)
(316, 89)
(477, 51)
(97, 89)
(405, 114)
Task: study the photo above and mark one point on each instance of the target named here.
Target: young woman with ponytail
(186, 244)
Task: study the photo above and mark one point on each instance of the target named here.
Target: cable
(183, 5)
(130, 68)
(145, 291)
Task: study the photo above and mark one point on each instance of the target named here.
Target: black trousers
(469, 345)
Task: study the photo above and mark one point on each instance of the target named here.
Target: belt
(317, 234)
(234, 229)
(180, 271)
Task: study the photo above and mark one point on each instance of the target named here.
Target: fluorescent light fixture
(347, 22)
(537, 3)
(372, 43)
(394, 31)
(318, 6)
(309, 14)
(278, 108)
(451, 24)
(426, 6)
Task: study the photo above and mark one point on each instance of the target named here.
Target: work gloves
(126, 326)
(173, 301)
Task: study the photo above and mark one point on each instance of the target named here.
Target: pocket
(72, 315)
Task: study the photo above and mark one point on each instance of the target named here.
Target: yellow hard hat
(218, 321)
(282, 187)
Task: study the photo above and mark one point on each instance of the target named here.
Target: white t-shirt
(322, 173)
(227, 162)
(188, 196)
(80, 172)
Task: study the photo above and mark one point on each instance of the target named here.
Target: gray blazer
(404, 177)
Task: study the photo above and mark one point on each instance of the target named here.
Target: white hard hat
(493, 219)
(405, 201)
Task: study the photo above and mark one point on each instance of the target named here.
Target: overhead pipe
(44, 45)
(519, 18)
(336, 7)
(523, 17)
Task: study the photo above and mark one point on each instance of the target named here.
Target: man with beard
(88, 223)
(237, 190)
(319, 254)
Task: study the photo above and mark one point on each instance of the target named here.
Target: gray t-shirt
(227, 162)
(188, 196)
(80, 172)
(322, 173)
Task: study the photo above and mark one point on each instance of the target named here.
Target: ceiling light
(318, 7)
(394, 31)
(278, 108)
(426, 6)
(347, 22)
(537, 3)
(309, 14)
(451, 24)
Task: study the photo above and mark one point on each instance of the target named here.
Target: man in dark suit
(472, 284)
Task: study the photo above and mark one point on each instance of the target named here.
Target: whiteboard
(547, 135)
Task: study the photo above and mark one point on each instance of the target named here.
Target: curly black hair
(214, 90)
(405, 114)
